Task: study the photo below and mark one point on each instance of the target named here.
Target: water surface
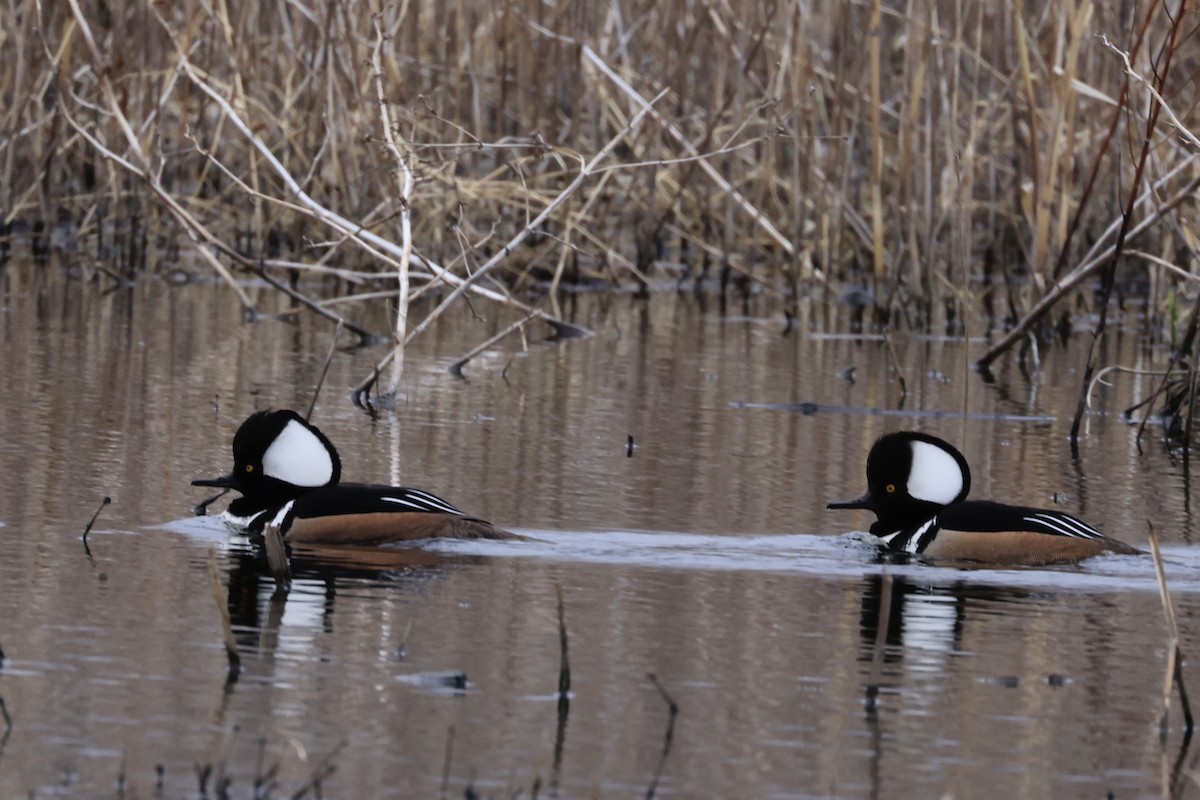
(706, 559)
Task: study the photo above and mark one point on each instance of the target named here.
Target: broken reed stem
(92, 521)
(457, 367)
(277, 559)
(406, 188)
(8, 723)
(320, 771)
(1174, 672)
(231, 652)
(668, 735)
(324, 370)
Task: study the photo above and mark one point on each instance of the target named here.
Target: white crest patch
(935, 475)
(298, 457)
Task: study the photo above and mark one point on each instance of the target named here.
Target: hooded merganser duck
(917, 487)
(288, 473)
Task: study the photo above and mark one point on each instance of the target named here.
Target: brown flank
(1020, 548)
(384, 527)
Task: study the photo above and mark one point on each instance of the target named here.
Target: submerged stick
(92, 522)
(322, 770)
(449, 753)
(457, 367)
(564, 687)
(668, 736)
(8, 725)
(231, 653)
(325, 370)
(899, 370)
(277, 559)
(201, 508)
(1174, 672)
(564, 666)
(365, 337)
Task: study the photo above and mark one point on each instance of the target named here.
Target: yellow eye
(250, 468)
(891, 488)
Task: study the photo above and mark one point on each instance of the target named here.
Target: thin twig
(668, 736)
(92, 521)
(1174, 672)
(324, 370)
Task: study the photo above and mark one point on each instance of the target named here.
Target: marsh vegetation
(950, 166)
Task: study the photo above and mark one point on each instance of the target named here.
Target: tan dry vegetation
(929, 158)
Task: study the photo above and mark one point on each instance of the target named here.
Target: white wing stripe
(433, 501)
(1067, 526)
(423, 502)
(401, 501)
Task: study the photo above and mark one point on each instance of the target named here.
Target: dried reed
(965, 151)
(1174, 674)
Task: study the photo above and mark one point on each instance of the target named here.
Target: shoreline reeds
(965, 165)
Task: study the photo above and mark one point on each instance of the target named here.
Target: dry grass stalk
(1174, 673)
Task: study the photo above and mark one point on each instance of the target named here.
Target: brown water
(707, 558)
